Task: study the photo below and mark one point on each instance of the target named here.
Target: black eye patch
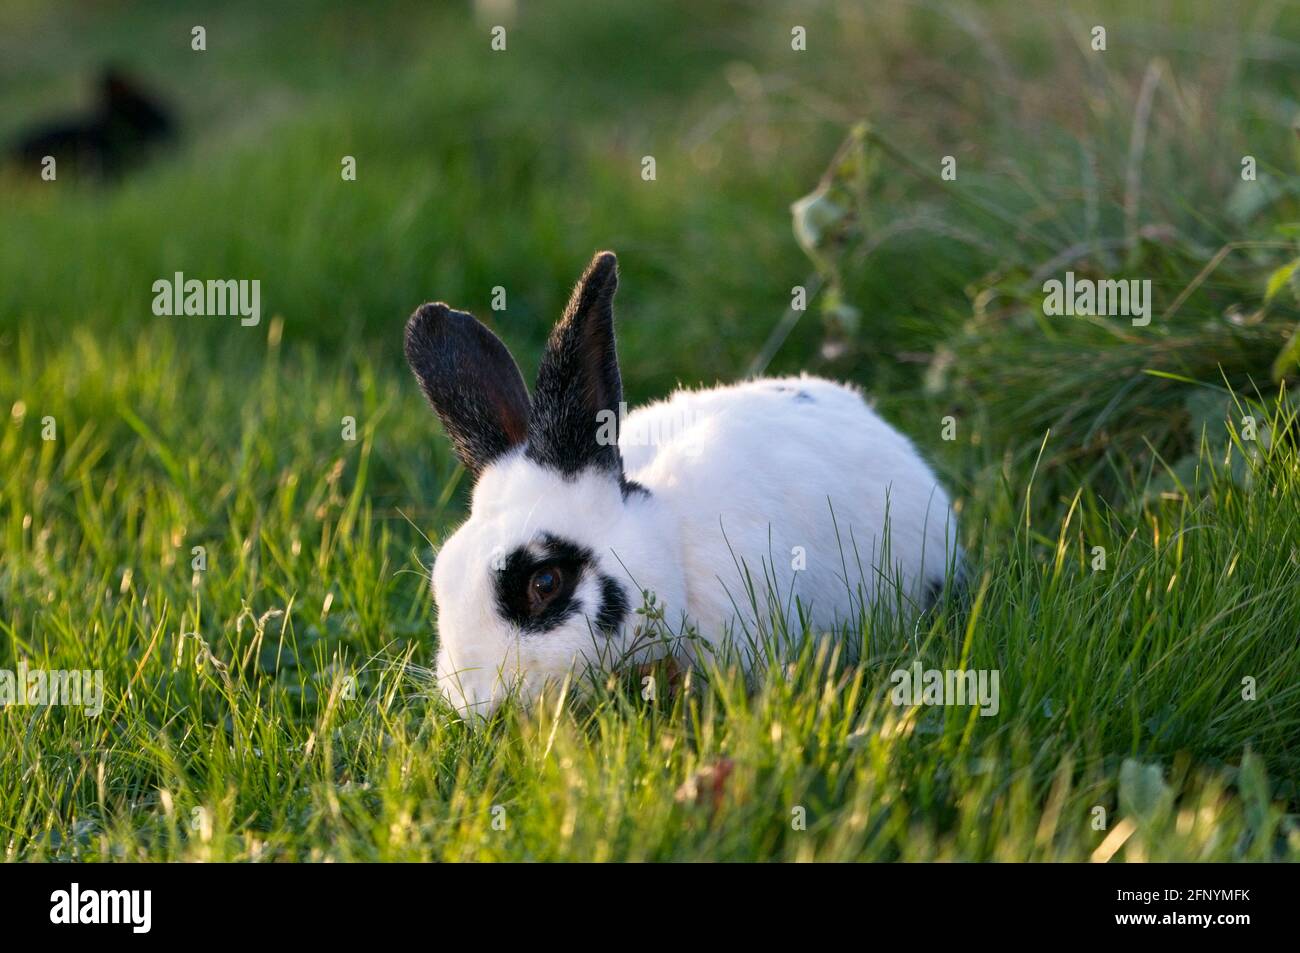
(613, 605)
(555, 557)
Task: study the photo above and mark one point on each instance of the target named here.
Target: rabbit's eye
(543, 587)
(536, 585)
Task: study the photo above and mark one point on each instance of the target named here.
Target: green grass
(277, 704)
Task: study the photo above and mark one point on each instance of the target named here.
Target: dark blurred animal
(123, 127)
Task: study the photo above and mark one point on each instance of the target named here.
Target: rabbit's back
(796, 478)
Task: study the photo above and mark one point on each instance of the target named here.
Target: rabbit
(582, 514)
(126, 123)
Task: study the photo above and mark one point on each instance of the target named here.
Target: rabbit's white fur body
(727, 504)
(770, 474)
(780, 473)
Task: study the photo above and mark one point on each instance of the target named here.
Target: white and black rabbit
(786, 485)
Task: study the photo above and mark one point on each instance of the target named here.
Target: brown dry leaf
(674, 673)
(708, 785)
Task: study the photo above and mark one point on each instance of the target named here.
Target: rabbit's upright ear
(574, 424)
(472, 382)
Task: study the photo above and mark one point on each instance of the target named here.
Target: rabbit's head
(544, 578)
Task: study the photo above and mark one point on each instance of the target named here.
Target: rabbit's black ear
(574, 424)
(471, 380)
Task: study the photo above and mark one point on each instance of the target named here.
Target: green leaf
(1252, 782)
(1142, 790)
(1289, 357)
(1279, 278)
(815, 215)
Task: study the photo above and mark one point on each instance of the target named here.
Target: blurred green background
(479, 169)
